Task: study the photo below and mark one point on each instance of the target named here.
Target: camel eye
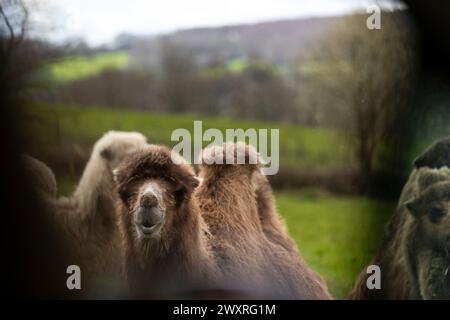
(126, 192)
(124, 195)
(180, 195)
(435, 214)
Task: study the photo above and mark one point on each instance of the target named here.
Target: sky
(99, 21)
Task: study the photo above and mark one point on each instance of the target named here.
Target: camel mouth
(149, 220)
(148, 232)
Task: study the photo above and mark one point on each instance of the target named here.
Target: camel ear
(436, 156)
(196, 182)
(191, 183)
(412, 207)
(185, 190)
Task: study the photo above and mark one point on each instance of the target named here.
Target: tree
(14, 15)
(20, 56)
(372, 76)
(14, 19)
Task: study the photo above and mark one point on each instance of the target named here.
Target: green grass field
(300, 147)
(79, 67)
(336, 235)
(56, 125)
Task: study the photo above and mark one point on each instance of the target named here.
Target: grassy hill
(337, 236)
(79, 67)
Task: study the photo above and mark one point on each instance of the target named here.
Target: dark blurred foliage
(432, 97)
(34, 260)
(371, 87)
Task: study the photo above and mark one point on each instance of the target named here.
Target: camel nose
(149, 200)
(149, 214)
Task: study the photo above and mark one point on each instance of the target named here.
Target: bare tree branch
(8, 24)
(14, 40)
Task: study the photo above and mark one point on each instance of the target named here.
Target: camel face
(432, 210)
(152, 189)
(150, 213)
(163, 234)
(152, 204)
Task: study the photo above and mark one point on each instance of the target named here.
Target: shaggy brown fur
(247, 258)
(272, 224)
(88, 218)
(407, 265)
(171, 256)
(429, 251)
